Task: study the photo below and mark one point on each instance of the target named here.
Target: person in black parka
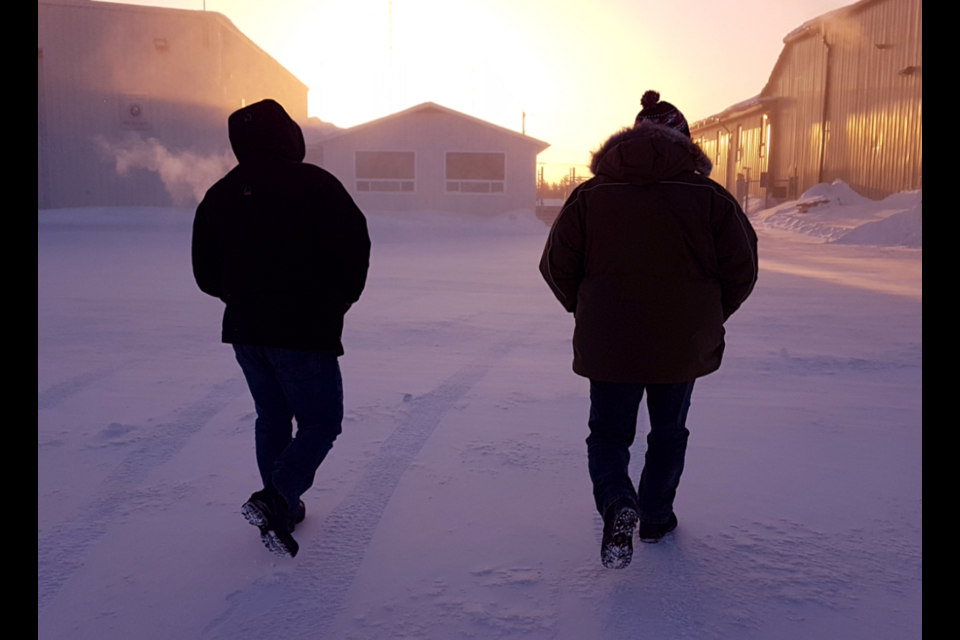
(284, 246)
(651, 257)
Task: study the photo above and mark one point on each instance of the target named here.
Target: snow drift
(838, 214)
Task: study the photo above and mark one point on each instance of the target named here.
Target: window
(475, 172)
(386, 171)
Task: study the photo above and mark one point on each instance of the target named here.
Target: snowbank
(904, 229)
(837, 213)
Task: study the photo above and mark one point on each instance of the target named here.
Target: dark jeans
(613, 427)
(287, 384)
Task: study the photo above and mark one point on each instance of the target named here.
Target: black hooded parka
(281, 242)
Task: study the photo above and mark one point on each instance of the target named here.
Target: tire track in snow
(61, 551)
(57, 393)
(305, 602)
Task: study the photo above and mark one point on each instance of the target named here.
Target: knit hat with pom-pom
(661, 113)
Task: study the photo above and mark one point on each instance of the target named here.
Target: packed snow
(457, 501)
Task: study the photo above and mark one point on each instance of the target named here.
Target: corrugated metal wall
(844, 101)
(875, 116)
(184, 72)
(798, 83)
(739, 146)
(852, 88)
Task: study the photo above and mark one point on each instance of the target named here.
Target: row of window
(466, 172)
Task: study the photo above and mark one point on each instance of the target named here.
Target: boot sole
(255, 513)
(280, 543)
(618, 552)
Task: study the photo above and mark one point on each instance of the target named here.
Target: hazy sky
(578, 69)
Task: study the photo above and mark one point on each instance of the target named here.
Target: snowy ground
(457, 502)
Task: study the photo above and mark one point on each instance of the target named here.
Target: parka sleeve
(351, 246)
(205, 253)
(737, 263)
(562, 264)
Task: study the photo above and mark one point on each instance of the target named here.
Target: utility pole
(540, 187)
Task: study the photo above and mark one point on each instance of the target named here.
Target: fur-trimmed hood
(648, 153)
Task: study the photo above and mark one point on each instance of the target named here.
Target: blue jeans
(613, 427)
(287, 384)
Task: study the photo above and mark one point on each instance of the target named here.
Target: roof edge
(738, 110)
(434, 105)
(812, 26)
(109, 5)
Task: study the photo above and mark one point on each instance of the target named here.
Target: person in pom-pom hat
(662, 113)
(651, 257)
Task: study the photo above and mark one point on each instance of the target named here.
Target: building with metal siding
(431, 158)
(738, 143)
(844, 101)
(111, 74)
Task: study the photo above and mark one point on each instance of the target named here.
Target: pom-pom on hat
(661, 113)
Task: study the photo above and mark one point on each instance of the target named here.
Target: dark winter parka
(279, 241)
(652, 257)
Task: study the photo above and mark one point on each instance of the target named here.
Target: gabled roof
(433, 107)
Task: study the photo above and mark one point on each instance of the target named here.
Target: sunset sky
(578, 69)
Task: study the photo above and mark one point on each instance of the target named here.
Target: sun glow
(576, 70)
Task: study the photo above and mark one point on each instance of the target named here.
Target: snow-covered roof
(733, 111)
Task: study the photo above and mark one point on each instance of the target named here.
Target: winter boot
(267, 510)
(616, 551)
(649, 532)
(301, 514)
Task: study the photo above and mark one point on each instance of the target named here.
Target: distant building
(845, 100)
(431, 158)
(114, 74)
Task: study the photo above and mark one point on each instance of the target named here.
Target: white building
(111, 74)
(431, 158)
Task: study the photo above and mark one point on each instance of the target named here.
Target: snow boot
(297, 519)
(267, 510)
(616, 550)
(649, 532)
